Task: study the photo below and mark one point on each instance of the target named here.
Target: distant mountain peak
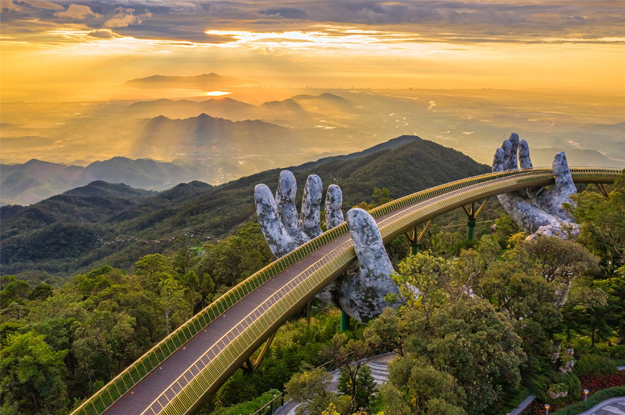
(324, 96)
(204, 81)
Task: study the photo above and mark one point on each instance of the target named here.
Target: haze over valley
(253, 129)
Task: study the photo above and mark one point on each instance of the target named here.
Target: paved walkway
(613, 406)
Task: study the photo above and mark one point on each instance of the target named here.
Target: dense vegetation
(70, 233)
(495, 317)
(482, 327)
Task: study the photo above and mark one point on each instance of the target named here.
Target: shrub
(617, 352)
(539, 385)
(249, 407)
(594, 365)
(572, 383)
(593, 400)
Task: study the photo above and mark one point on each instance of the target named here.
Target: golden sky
(83, 50)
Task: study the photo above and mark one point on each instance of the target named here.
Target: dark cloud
(286, 12)
(102, 34)
(188, 20)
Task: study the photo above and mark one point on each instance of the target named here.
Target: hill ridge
(67, 247)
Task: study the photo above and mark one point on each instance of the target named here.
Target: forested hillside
(36, 180)
(494, 329)
(66, 243)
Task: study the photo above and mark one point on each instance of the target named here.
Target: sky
(84, 50)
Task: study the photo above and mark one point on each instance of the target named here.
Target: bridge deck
(141, 396)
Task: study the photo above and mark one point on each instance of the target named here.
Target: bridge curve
(183, 370)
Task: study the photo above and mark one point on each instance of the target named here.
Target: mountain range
(299, 107)
(101, 225)
(205, 81)
(36, 180)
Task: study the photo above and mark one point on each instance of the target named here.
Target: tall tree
(416, 387)
(32, 381)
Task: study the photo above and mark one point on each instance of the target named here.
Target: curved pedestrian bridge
(178, 374)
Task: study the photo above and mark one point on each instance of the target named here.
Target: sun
(216, 93)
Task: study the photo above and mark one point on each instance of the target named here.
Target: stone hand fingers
(373, 281)
(275, 233)
(285, 201)
(310, 217)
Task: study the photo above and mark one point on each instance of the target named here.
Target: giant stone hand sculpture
(360, 294)
(536, 211)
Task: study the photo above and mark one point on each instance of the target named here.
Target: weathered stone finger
(498, 161)
(363, 296)
(524, 155)
(285, 202)
(506, 146)
(310, 218)
(564, 180)
(552, 201)
(276, 235)
(334, 202)
(512, 161)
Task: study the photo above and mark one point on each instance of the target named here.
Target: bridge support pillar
(471, 228)
(472, 217)
(415, 238)
(344, 321)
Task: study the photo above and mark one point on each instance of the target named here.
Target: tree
(472, 264)
(310, 389)
(558, 260)
(420, 388)
(171, 298)
(602, 223)
(529, 301)
(505, 227)
(424, 279)
(41, 292)
(615, 288)
(236, 257)
(378, 198)
(152, 268)
(349, 356)
(32, 382)
(477, 345)
(16, 291)
(103, 339)
(585, 310)
(365, 387)
(386, 332)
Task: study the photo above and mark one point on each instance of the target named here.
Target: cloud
(426, 21)
(101, 34)
(77, 11)
(9, 6)
(42, 4)
(125, 17)
(286, 12)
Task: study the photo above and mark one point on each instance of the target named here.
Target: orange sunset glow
(87, 81)
(66, 51)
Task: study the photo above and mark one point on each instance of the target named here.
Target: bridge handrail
(470, 181)
(133, 374)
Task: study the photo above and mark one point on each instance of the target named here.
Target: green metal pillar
(344, 321)
(471, 230)
(414, 249)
